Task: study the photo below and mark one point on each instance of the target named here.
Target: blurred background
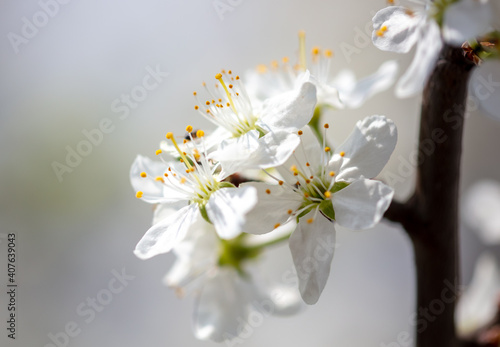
(64, 68)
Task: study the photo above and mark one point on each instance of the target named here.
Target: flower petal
(234, 153)
(312, 246)
(222, 306)
(466, 19)
(367, 149)
(196, 254)
(272, 208)
(428, 49)
(165, 235)
(289, 111)
(354, 95)
(361, 204)
(152, 190)
(480, 210)
(227, 208)
(479, 303)
(402, 29)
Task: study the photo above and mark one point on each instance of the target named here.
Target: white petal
(402, 29)
(485, 84)
(361, 204)
(274, 149)
(354, 95)
(479, 303)
(428, 49)
(312, 246)
(466, 20)
(227, 208)
(152, 189)
(367, 149)
(287, 301)
(234, 153)
(196, 254)
(162, 211)
(165, 235)
(481, 210)
(222, 307)
(289, 111)
(271, 209)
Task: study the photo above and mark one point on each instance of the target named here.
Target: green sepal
(326, 208)
(338, 186)
(226, 185)
(203, 212)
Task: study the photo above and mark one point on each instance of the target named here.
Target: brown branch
(431, 216)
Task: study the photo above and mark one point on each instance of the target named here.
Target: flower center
(230, 107)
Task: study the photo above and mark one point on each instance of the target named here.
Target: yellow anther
(274, 64)
(185, 141)
(207, 103)
(200, 133)
(307, 164)
(196, 107)
(229, 72)
(315, 50)
(331, 173)
(192, 169)
(300, 132)
(139, 194)
(381, 31)
(327, 149)
(143, 174)
(280, 183)
(289, 211)
(169, 135)
(195, 93)
(308, 181)
(165, 174)
(306, 194)
(285, 60)
(342, 153)
(218, 76)
(328, 194)
(276, 225)
(158, 151)
(159, 178)
(390, 2)
(328, 53)
(310, 220)
(189, 128)
(293, 168)
(409, 12)
(230, 86)
(183, 180)
(237, 77)
(326, 125)
(261, 68)
(268, 191)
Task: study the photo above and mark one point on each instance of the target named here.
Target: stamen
(268, 191)
(302, 50)
(310, 220)
(189, 128)
(219, 77)
(276, 225)
(143, 174)
(158, 152)
(139, 194)
(342, 153)
(328, 194)
(327, 149)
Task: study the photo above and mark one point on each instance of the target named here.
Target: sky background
(72, 233)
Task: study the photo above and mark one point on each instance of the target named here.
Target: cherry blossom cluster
(265, 174)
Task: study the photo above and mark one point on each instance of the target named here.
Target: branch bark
(430, 216)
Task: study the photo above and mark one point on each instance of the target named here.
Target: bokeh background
(72, 234)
